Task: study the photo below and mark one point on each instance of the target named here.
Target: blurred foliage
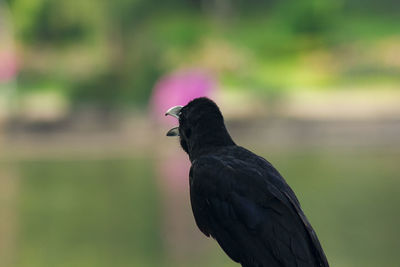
(111, 53)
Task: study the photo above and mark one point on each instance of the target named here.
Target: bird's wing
(255, 222)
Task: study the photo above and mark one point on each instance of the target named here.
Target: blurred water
(109, 212)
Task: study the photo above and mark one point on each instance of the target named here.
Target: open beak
(174, 112)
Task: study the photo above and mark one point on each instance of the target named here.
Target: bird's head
(201, 126)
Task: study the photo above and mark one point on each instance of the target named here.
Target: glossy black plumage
(240, 199)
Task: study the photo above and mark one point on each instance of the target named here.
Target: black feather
(240, 199)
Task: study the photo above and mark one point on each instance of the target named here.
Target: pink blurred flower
(8, 66)
(179, 88)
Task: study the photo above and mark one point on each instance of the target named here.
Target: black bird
(239, 198)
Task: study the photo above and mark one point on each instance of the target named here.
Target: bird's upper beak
(174, 112)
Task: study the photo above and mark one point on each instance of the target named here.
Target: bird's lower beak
(173, 132)
(174, 112)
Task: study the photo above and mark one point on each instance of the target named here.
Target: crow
(239, 198)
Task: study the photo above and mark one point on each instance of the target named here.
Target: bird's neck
(208, 141)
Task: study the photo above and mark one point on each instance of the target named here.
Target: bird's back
(242, 201)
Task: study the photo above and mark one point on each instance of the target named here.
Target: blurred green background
(87, 176)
